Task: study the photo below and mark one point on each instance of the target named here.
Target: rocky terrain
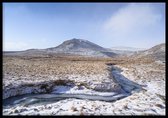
(140, 78)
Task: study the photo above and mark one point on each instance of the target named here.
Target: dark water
(31, 99)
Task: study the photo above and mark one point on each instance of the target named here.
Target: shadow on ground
(126, 84)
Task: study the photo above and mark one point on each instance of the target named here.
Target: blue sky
(44, 25)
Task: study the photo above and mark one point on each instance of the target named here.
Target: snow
(159, 62)
(86, 107)
(144, 102)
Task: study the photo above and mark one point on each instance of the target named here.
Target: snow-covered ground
(137, 104)
(149, 101)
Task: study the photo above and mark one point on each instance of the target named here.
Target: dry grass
(57, 68)
(17, 66)
(46, 72)
(62, 65)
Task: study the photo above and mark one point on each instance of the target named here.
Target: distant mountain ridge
(123, 48)
(125, 51)
(87, 48)
(81, 47)
(76, 45)
(156, 52)
(73, 46)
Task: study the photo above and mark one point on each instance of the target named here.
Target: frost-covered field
(93, 77)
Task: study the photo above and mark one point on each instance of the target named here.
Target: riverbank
(72, 91)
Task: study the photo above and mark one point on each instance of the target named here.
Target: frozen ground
(145, 82)
(149, 101)
(136, 104)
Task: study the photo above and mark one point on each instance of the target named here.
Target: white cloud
(135, 16)
(138, 25)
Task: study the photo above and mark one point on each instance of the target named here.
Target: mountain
(156, 52)
(81, 47)
(121, 50)
(76, 45)
(73, 47)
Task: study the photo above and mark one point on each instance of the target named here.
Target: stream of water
(31, 99)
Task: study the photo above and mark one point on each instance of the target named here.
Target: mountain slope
(81, 47)
(77, 45)
(157, 53)
(123, 48)
(125, 51)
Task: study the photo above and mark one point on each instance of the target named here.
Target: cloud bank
(133, 21)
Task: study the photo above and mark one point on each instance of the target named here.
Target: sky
(45, 25)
